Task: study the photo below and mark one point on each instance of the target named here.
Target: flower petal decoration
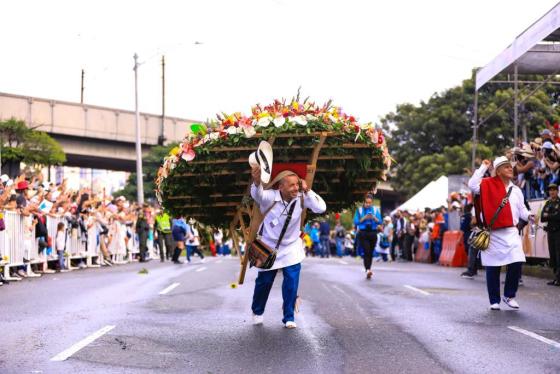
(189, 155)
(264, 121)
(300, 120)
(279, 121)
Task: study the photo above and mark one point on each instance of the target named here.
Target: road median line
(538, 337)
(417, 290)
(62, 356)
(169, 289)
(201, 269)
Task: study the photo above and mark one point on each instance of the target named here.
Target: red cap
(22, 185)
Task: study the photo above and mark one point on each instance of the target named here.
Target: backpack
(384, 243)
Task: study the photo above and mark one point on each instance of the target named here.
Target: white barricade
(13, 249)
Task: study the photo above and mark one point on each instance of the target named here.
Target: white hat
(263, 158)
(4, 178)
(499, 161)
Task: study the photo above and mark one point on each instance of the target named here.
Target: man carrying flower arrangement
(283, 205)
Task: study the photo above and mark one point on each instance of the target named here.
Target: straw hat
(262, 157)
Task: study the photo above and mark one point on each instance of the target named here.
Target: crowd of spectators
(113, 224)
(537, 163)
(399, 236)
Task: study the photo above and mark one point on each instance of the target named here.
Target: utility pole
(161, 138)
(82, 90)
(139, 178)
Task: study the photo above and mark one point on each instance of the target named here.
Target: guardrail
(20, 248)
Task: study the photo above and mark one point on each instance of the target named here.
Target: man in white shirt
(284, 197)
(505, 246)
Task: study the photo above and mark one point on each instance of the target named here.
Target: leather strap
(286, 223)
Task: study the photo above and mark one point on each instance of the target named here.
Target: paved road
(410, 318)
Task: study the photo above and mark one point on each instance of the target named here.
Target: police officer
(551, 215)
(163, 228)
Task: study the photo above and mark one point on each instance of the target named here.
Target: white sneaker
(202, 260)
(495, 306)
(258, 320)
(291, 325)
(510, 301)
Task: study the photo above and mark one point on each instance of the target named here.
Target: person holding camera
(366, 219)
(551, 215)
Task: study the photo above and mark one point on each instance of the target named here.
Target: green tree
(433, 138)
(22, 144)
(150, 165)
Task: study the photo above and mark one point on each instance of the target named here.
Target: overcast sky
(367, 56)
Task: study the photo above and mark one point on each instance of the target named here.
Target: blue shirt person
(366, 219)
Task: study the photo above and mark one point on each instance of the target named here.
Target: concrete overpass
(92, 136)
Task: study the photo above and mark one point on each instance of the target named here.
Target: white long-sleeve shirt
(291, 250)
(505, 244)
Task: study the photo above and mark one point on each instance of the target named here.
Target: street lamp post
(139, 178)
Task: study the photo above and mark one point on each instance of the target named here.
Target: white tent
(433, 195)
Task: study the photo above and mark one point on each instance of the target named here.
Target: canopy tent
(433, 195)
(532, 52)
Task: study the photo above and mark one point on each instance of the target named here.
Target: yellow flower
(175, 151)
(263, 114)
(6, 258)
(233, 285)
(295, 105)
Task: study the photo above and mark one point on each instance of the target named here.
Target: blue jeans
(325, 246)
(493, 281)
(60, 259)
(290, 284)
(339, 246)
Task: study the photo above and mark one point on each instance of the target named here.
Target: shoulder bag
(262, 255)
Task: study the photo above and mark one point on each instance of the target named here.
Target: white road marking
(219, 261)
(343, 262)
(82, 343)
(417, 290)
(201, 269)
(169, 289)
(553, 343)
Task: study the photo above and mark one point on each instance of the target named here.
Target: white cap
(4, 178)
(499, 161)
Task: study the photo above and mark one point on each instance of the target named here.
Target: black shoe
(553, 283)
(467, 275)
(177, 262)
(162, 260)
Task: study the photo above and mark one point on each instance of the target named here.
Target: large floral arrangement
(297, 121)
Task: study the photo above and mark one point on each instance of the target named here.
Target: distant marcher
(193, 241)
(179, 233)
(366, 219)
(472, 252)
(339, 235)
(142, 230)
(324, 236)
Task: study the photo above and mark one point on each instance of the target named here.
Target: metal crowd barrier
(19, 246)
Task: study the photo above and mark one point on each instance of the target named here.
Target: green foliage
(433, 138)
(20, 143)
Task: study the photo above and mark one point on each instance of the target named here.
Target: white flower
(232, 130)
(214, 136)
(333, 119)
(249, 131)
(279, 121)
(300, 120)
(264, 122)
(310, 117)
